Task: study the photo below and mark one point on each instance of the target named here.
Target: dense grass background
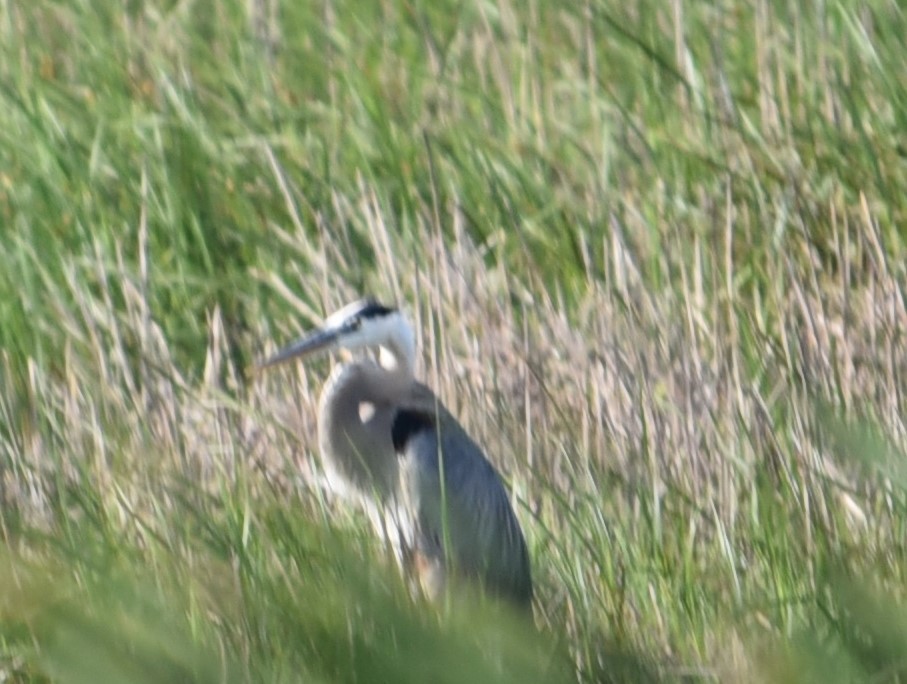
(655, 255)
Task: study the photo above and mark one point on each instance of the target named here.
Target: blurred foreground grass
(655, 254)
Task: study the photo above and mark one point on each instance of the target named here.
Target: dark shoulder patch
(407, 424)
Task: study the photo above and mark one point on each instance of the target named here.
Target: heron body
(388, 440)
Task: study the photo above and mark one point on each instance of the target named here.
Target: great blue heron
(389, 439)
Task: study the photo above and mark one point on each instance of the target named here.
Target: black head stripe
(407, 424)
(369, 308)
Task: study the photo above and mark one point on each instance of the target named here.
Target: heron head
(364, 323)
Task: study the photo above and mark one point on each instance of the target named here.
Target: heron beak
(316, 341)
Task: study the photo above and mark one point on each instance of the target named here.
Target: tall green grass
(654, 254)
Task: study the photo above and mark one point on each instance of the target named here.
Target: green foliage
(655, 255)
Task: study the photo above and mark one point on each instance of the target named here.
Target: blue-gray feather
(466, 511)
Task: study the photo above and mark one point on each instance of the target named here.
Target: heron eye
(356, 323)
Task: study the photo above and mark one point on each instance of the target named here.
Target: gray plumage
(387, 440)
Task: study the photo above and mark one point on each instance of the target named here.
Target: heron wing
(459, 506)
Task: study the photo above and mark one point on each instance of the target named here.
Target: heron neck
(360, 451)
(399, 365)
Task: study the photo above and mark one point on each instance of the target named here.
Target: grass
(654, 254)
